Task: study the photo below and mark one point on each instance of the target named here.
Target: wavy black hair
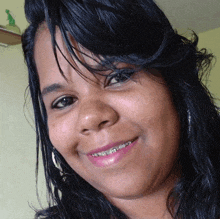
(135, 32)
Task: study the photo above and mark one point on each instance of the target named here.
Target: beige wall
(211, 41)
(17, 140)
(17, 150)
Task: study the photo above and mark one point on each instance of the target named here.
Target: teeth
(112, 150)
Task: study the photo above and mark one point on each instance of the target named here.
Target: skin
(140, 108)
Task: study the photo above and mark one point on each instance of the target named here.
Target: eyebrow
(51, 88)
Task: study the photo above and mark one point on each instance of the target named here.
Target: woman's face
(122, 138)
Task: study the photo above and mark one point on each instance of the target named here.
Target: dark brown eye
(119, 77)
(63, 102)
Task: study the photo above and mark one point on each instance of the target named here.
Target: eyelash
(121, 74)
(68, 100)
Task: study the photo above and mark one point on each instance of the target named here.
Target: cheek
(157, 117)
(148, 109)
(59, 133)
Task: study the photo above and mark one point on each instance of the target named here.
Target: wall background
(211, 41)
(17, 137)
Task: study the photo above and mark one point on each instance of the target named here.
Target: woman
(125, 126)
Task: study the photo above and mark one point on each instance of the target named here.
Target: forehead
(45, 59)
(43, 50)
(43, 34)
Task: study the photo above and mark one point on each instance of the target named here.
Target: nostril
(102, 124)
(85, 131)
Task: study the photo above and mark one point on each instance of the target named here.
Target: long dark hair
(135, 32)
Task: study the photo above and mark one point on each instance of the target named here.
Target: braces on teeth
(112, 150)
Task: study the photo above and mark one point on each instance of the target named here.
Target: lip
(104, 161)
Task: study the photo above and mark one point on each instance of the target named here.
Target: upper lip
(109, 146)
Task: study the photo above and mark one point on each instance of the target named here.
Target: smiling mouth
(111, 150)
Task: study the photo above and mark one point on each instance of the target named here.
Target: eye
(119, 77)
(63, 102)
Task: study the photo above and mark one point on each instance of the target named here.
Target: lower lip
(103, 161)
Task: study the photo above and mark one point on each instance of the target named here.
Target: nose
(95, 115)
